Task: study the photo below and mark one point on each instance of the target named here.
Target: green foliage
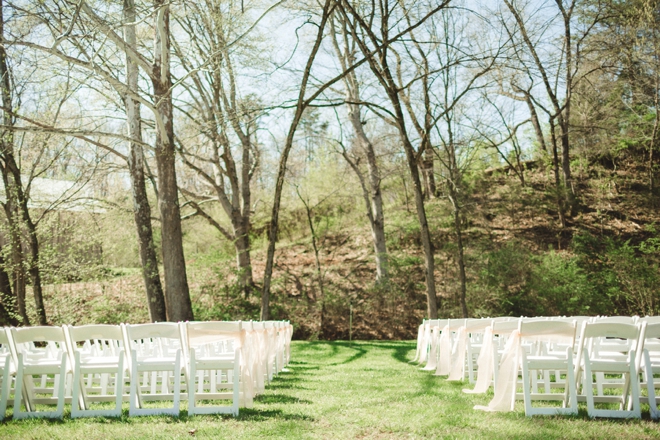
(625, 275)
(601, 276)
(523, 284)
(224, 302)
(561, 285)
(70, 248)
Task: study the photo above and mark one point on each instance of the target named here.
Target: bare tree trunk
(428, 172)
(177, 296)
(555, 168)
(432, 304)
(284, 157)
(317, 258)
(243, 260)
(381, 70)
(34, 270)
(461, 256)
(12, 188)
(536, 124)
(372, 195)
(17, 256)
(654, 136)
(141, 207)
(8, 315)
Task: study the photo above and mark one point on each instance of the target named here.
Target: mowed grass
(338, 390)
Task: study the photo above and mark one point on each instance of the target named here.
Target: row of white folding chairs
(88, 364)
(431, 331)
(608, 352)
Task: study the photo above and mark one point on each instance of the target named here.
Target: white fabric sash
(485, 367)
(505, 388)
(458, 356)
(444, 353)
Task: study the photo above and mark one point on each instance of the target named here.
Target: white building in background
(60, 195)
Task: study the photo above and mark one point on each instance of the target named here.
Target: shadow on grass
(400, 351)
(280, 398)
(256, 415)
(244, 415)
(359, 352)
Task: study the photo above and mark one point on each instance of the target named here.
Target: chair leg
(177, 383)
(634, 387)
(4, 391)
(237, 361)
(61, 386)
(572, 387)
(526, 387)
(75, 393)
(191, 384)
(119, 386)
(650, 387)
(133, 403)
(18, 391)
(588, 385)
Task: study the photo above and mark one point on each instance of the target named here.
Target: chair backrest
(166, 330)
(455, 324)
(505, 318)
(623, 337)
(155, 339)
(652, 330)
(478, 325)
(548, 331)
(4, 338)
(21, 340)
(608, 329)
(44, 333)
(505, 327)
(650, 319)
(201, 333)
(95, 331)
(616, 319)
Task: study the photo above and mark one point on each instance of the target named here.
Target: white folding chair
(155, 365)
(651, 367)
(97, 355)
(542, 360)
(611, 361)
(213, 365)
(7, 371)
(48, 362)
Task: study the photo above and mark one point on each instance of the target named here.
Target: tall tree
(225, 151)
(556, 60)
(346, 51)
(302, 103)
(135, 160)
(16, 206)
(74, 31)
(371, 26)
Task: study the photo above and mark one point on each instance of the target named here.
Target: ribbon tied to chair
(507, 379)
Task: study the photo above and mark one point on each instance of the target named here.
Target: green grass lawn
(341, 390)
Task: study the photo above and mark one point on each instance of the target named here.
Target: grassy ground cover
(341, 390)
